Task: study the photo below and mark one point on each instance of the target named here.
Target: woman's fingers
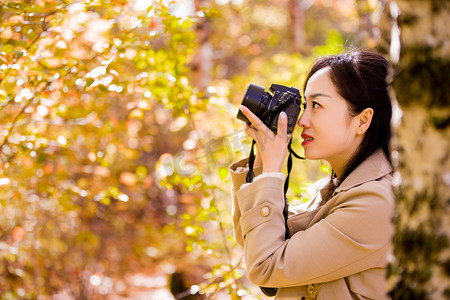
(251, 132)
(282, 125)
(271, 148)
(258, 130)
(256, 122)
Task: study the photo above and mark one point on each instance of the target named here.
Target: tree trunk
(297, 13)
(201, 64)
(420, 47)
(366, 26)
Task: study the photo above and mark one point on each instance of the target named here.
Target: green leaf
(114, 191)
(141, 171)
(106, 201)
(325, 169)
(8, 48)
(223, 173)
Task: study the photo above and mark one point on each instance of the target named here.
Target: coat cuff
(260, 202)
(279, 175)
(238, 178)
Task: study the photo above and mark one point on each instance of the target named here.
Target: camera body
(267, 106)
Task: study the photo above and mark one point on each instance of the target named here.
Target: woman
(339, 244)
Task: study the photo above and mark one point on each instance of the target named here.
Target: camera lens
(253, 99)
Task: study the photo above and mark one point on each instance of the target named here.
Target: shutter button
(265, 211)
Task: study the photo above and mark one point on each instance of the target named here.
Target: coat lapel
(373, 168)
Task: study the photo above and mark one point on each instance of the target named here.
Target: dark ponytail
(360, 78)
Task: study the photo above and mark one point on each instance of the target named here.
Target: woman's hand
(271, 147)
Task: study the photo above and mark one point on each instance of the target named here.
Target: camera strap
(251, 160)
(268, 291)
(251, 175)
(289, 167)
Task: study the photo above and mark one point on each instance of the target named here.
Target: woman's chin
(311, 155)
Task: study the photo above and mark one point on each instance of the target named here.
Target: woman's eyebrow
(317, 95)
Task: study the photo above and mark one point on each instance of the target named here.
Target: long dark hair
(360, 78)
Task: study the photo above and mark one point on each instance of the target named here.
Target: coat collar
(373, 168)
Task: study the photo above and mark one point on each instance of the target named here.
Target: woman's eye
(315, 104)
(304, 105)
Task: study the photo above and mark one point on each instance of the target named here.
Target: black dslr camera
(267, 106)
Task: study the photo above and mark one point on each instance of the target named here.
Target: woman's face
(329, 131)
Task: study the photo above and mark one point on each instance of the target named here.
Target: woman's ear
(364, 120)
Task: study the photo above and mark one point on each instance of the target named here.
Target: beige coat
(336, 251)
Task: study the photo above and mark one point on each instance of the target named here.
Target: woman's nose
(303, 120)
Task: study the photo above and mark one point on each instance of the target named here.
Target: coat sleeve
(237, 180)
(353, 237)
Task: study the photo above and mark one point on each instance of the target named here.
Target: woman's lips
(306, 139)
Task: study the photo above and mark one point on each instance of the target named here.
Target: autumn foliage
(113, 158)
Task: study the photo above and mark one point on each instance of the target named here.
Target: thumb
(282, 124)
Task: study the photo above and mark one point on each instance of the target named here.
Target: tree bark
(201, 64)
(297, 13)
(420, 51)
(366, 26)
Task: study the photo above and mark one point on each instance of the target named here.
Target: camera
(268, 105)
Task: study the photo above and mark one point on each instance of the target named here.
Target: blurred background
(117, 127)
